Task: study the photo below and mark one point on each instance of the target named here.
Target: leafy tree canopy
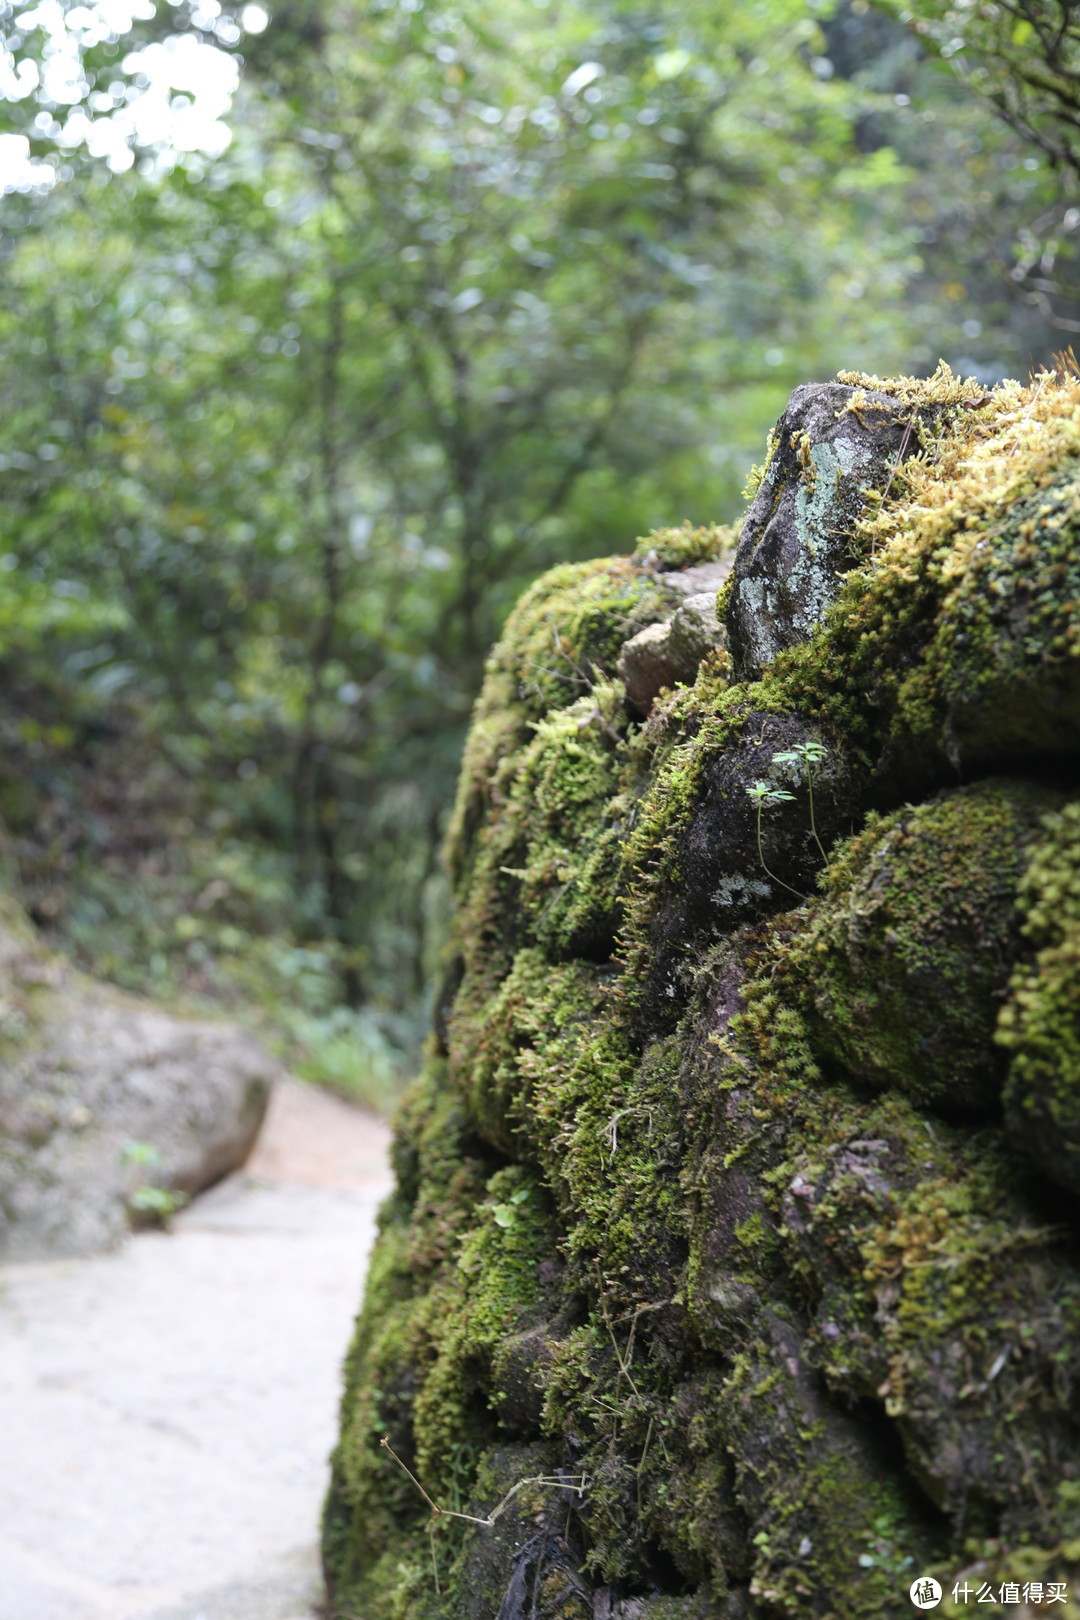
(1023, 56)
(294, 415)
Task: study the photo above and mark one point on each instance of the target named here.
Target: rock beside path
(733, 1246)
(108, 1105)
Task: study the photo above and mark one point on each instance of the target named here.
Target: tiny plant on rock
(156, 1203)
(764, 795)
(148, 1203)
(806, 754)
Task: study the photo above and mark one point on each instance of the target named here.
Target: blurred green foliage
(288, 428)
(1021, 56)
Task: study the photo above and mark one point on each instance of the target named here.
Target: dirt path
(166, 1411)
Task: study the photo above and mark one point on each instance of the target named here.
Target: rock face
(109, 1107)
(832, 444)
(733, 1239)
(670, 654)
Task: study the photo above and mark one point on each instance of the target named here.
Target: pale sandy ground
(166, 1411)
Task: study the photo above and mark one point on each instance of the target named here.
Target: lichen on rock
(735, 1200)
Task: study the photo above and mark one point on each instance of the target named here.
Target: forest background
(325, 330)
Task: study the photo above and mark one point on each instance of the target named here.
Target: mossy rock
(529, 1561)
(963, 1318)
(565, 634)
(1040, 1026)
(901, 969)
(734, 1200)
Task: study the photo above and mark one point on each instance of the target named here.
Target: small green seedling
(809, 754)
(762, 794)
(505, 1215)
(140, 1153)
(157, 1201)
(765, 794)
(154, 1205)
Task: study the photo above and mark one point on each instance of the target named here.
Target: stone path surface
(166, 1410)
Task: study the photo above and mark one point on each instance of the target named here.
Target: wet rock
(109, 1105)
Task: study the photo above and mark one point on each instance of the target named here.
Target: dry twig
(438, 1512)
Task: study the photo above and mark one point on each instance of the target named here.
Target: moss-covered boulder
(731, 1270)
(901, 969)
(1040, 1026)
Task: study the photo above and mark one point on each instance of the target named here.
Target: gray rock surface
(167, 1409)
(831, 444)
(101, 1095)
(667, 654)
(699, 577)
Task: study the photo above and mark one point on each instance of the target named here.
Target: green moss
(544, 864)
(513, 1048)
(956, 642)
(939, 1292)
(696, 726)
(528, 1538)
(431, 1353)
(685, 546)
(996, 1561)
(416, 1294)
(1040, 1025)
(756, 476)
(491, 1285)
(1005, 654)
(960, 631)
(900, 969)
(563, 638)
(714, 1235)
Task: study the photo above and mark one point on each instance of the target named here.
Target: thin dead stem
(904, 442)
(624, 1358)
(641, 1459)
(438, 1512)
(611, 1129)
